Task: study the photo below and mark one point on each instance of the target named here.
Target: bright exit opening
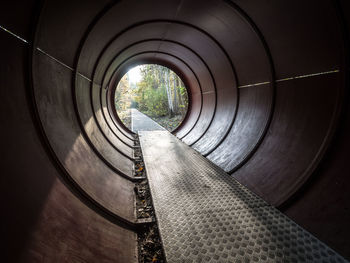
(150, 95)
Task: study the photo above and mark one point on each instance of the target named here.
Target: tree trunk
(176, 106)
(181, 103)
(168, 90)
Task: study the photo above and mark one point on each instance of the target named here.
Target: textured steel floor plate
(204, 215)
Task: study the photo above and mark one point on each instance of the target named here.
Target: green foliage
(151, 95)
(156, 102)
(123, 95)
(159, 93)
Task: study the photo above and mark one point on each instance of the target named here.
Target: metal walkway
(141, 122)
(204, 215)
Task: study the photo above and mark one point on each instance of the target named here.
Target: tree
(123, 94)
(168, 91)
(160, 92)
(176, 106)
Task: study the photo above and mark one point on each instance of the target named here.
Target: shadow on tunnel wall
(269, 104)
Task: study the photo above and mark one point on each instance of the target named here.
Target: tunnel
(268, 103)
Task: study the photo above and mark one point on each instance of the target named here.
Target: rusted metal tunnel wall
(269, 104)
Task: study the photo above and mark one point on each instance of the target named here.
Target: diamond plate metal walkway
(141, 122)
(204, 215)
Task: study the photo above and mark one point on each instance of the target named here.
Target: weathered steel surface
(145, 31)
(118, 19)
(205, 215)
(105, 122)
(19, 17)
(110, 113)
(194, 70)
(42, 220)
(252, 118)
(304, 40)
(305, 119)
(61, 127)
(68, 231)
(235, 35)
(224, 83)
(62, 26)
(115, 152)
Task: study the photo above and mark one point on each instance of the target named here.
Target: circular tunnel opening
(151, 97)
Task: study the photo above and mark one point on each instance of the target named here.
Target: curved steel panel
(102, 33)
(224, 116)
(43, 218)
(303, 118)
(61, 127)
(119, 156)
(19, 18)
(154, 30)
(252, 118)
(111, 108)
(106, 124)
(220, 71)
(176, 64)
(242, 30)
(79, 233)
(235, 35)
(207, 114)
(107, 110)
(66, 33)
(105, 114)
(309, 44)
(179, 51)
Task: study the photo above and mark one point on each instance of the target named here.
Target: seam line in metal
(13, 34)
(309, 75)
(81, 75)
(55, 59)
(255, 84)
(65, 65)
(208, 92)
(291, 78)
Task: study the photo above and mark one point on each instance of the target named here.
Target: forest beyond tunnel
(155, 91)
(268, 103)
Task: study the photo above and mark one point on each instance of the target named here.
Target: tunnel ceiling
(265, 79)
